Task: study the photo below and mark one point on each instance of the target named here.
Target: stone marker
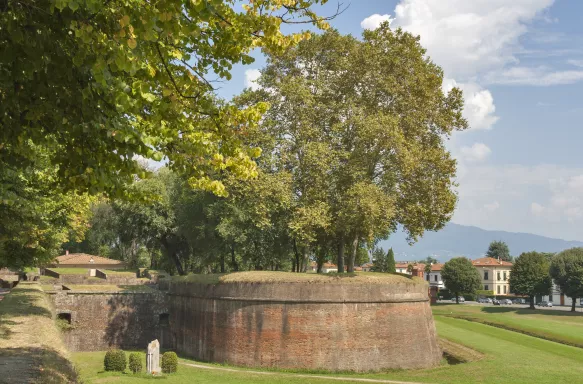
(153, 357)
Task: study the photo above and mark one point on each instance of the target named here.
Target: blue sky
(520, 65)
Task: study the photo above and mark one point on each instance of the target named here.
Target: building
(434, 277)
(557, 298)
(494, 274)
(83, 260)
(329, 267)
(367, 267)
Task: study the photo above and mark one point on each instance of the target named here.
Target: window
(428, 277)
(434, 277)
(505, 276)
(498, 276)
(64, 316)
(504, 289)
(551, 297)
(486, 287)
(498, 289)
(485, 275)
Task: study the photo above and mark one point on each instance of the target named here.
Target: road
(524, 306)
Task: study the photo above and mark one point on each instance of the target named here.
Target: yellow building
(494, 274)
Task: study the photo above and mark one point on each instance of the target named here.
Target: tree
(427, 270)
(429, 260)
(391, 268)
(567, 273)
(460, 276)
(361, 127)
(530, 276)
(99, 84)
(499, 250)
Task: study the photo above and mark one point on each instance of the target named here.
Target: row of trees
(347, 135)
(532, 274)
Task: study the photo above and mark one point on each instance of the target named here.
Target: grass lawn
(70, 271)
(509, 357)
(559, 326)
(109, 288)
(120, 272)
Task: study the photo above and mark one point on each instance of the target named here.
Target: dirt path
(301, 375)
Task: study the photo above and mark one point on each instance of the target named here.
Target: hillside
(461, 240)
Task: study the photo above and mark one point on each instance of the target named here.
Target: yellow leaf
(132, 43)
(124, 21)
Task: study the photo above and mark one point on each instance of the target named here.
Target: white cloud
(491, 207)
(475, 153)
(576, 63)
(466, 37)
(537, 76)
(374, 21)
(479, 105)
(537, 209)
(251, 77)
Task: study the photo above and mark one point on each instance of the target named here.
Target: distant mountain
(461, 240)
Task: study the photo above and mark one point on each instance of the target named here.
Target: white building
(434, 277)
(557, 298)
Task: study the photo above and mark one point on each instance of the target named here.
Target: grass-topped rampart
(31, 348)
(308, 278)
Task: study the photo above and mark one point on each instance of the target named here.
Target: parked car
(519, 301)
(506, 302)
(462, 300)
(495, 302)
(545, 304)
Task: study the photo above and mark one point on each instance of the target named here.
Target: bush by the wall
(115, 360)
(135, 363)
(169, 362)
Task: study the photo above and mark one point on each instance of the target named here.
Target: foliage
(530, 276)
(169, 362)
(567, 272)
(460, 276)
(383, 262)
(115, 360)
(120, 80)
(36, 216)
(499, 249)
(135, 362)
(429, 260)
(391, 266)
(361, 127)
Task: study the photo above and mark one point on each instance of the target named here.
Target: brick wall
(359, 327)
(104, 319)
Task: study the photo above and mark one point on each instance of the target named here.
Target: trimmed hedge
(135, 363)
(115, 360)
(169, 362)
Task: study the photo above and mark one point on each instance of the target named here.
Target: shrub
(115, 360)
(135, 362)
(169, 362)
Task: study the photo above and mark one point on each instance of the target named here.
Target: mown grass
(499, 356)
(31, 348)
(120, 272)
(554, 325)
(70, 271)
(288, 277)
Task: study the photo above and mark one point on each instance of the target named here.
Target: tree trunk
(340, 260)
(532, 302)
(172, 255)
(234, 263)
(352, 257)
(320, 264)
(222, 263)
(293, 264)
(457, 298)
(297, 254)
(305, 259)
(573, 304)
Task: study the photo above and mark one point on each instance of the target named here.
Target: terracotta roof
(329, 265)
(490, 262)
(367, 265)
(358, 268)
(436, 267)
(83, 258)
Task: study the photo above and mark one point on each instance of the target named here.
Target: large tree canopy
(567, 272)
(99, 83)
(530, 276)
(499, 250)
(361, 127)
(460, 276)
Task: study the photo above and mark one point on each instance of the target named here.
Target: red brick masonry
(339, 326)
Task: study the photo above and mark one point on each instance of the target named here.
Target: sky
(520, 66)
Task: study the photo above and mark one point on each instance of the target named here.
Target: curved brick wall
(331, 326)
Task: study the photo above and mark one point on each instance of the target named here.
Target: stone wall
(340, 326)
(101, 320)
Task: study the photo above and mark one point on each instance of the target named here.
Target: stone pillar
(433, 292)
(153, 357)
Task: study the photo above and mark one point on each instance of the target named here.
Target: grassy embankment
(554, 325)
(31, 348)
(502, 357)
